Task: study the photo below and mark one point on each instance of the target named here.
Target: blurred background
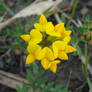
(17, 17)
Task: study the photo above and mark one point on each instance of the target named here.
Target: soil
(10, 60)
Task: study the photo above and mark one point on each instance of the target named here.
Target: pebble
(84, 11)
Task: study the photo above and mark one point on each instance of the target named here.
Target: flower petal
(62, 55)
(34, 49)
(45, 63)
(57, 61)
(50, 30)
(43, 19)
(68, 32)
(59, 27)
(38, 26)
(49, 27)
(55, 50)
(36, 36)
(67, 39)
(60, 45)
(53, 68)
(70, 49)
(26, 37)
(53, 65)
(30, 59)
(46, 53)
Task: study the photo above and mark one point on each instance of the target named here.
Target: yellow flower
(47, 59)
(61, 49)
(58, 31)
(42, 23)
(35, 36)
(53, 65)
(46, 34)
(33, 50)
(50, 30)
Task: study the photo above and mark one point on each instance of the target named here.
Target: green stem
(89, 83)
(73, 11)
(86, 50)
(86, 58)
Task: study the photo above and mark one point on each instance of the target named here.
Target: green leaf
(20, 29)
(58, 88)
(2, 10)
(40, 73)
(63, 19)
(81, 30)
(17, 46)
(74, 54)
(30, 77)
(2, 50)
(18, 39)
(35, 69)
(64, 90)
(25, 87)
(87, 18)
(11, 33)
(18, 88)
(41, 81)
(48, 87)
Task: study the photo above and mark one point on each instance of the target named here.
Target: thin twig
(73, 21)
(11, 80)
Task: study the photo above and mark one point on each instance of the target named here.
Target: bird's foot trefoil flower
(48, 44)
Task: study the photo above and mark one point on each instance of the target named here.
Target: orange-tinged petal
(26, 37)
(45, 63)
(30, 59)
(43, 19)
(70, 49)
(63, 55)
(36, 36)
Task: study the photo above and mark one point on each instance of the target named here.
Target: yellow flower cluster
(48, 44)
